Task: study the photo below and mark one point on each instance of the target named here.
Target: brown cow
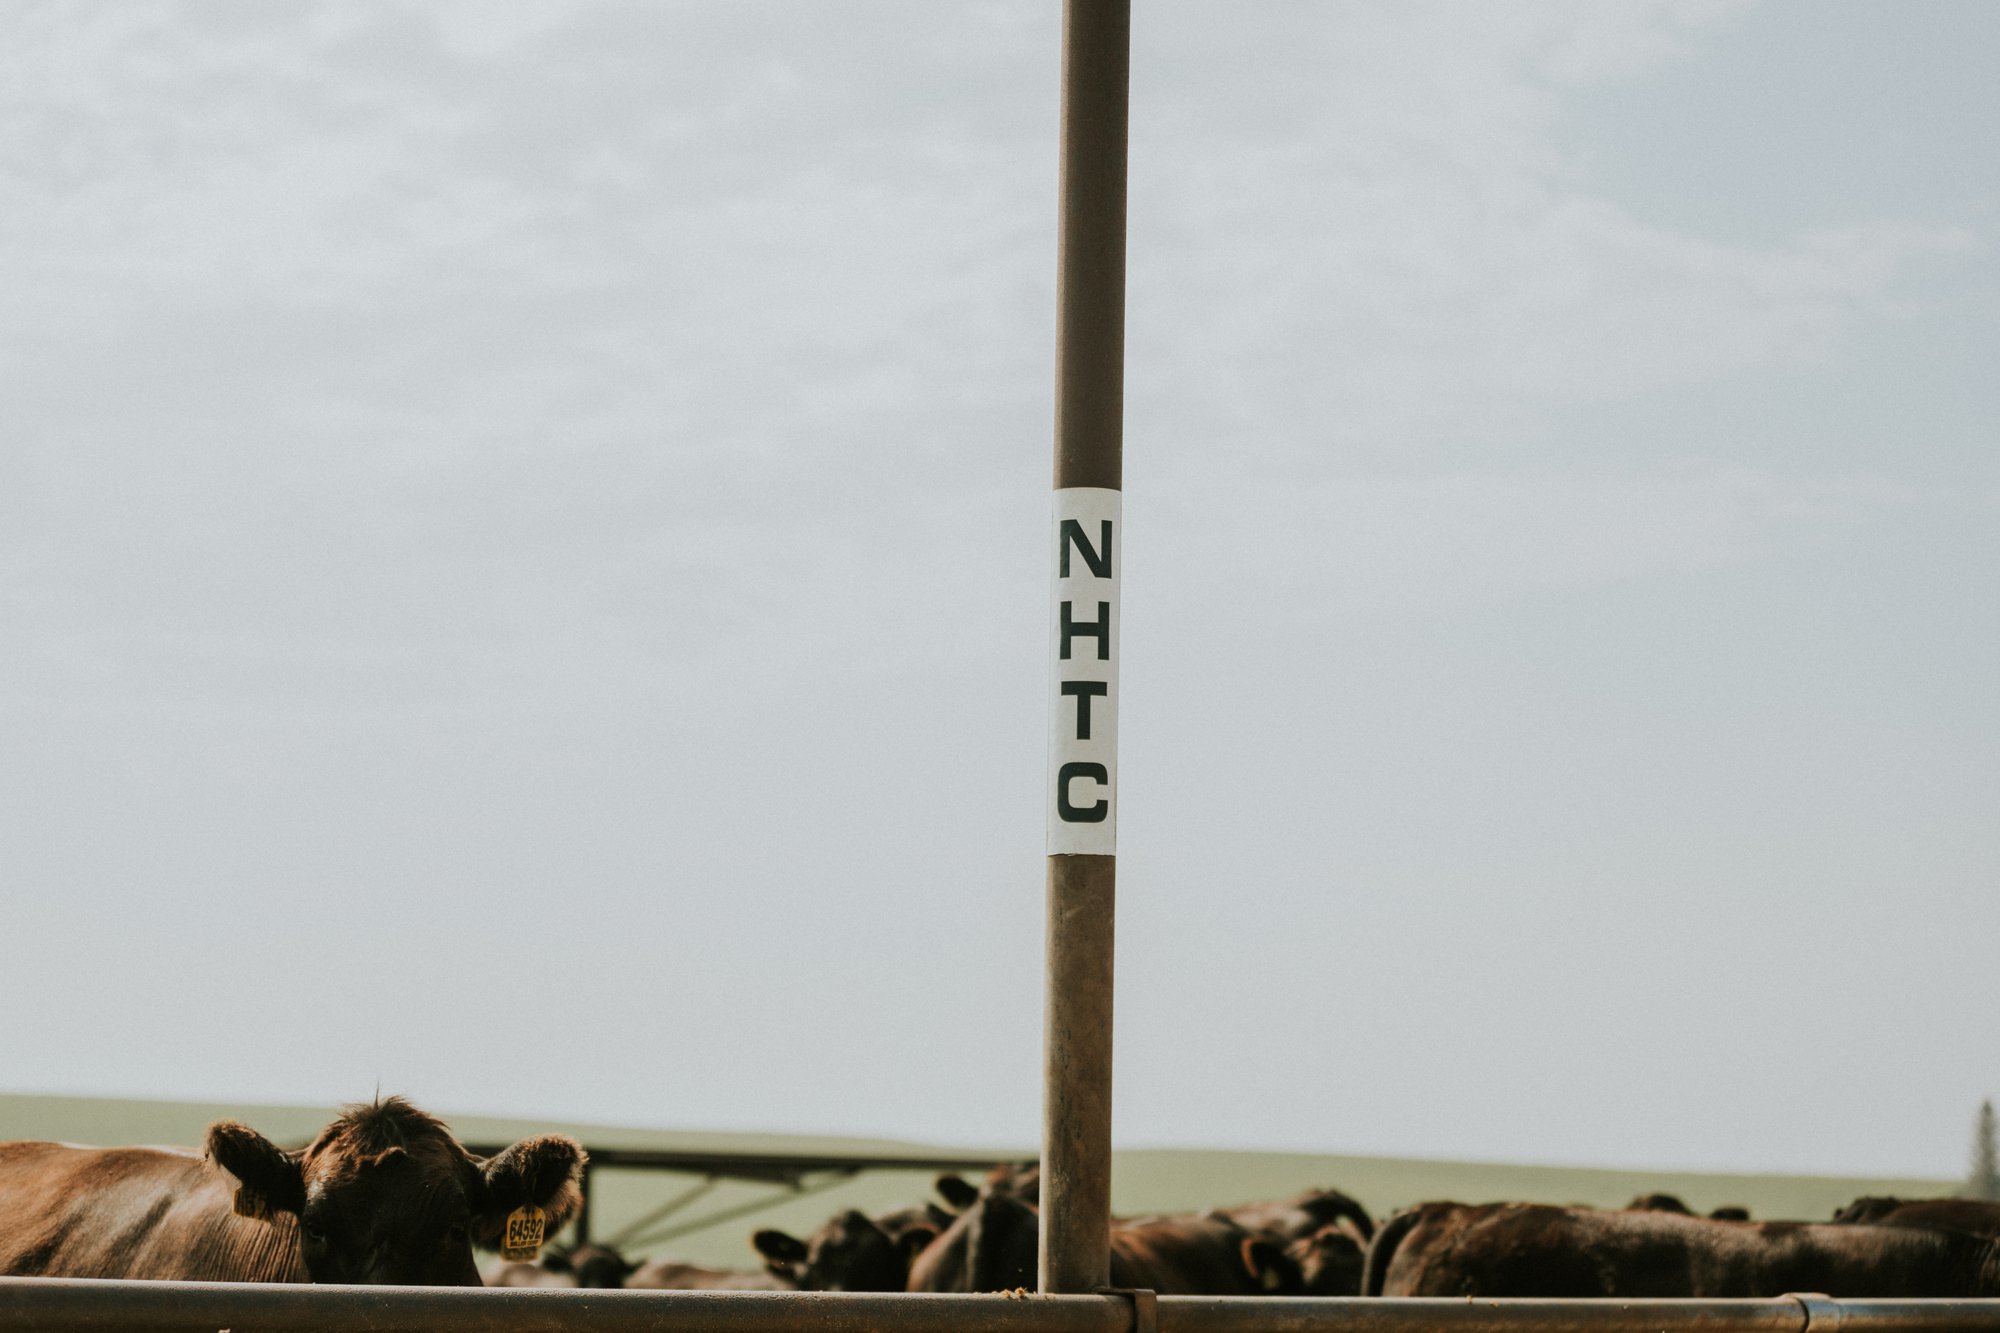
(1301, 1216)
(1328, 1262)
(992, 1247)
(1321, 1237)
(1447, 1249)
(385, 1194)
(1978, 1216)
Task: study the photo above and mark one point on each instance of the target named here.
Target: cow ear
(545, 1172)
(956, 1191)
(268, 1179)
(778, 1246)
(1270, 1268)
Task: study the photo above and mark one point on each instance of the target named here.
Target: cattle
(852, 1251)
(1978, 1216)
(1326, 1262)
(1446, 1249)
(1301, 1216)
(669, 1275)
(384, 1194)
(1321, 1237)
(1023, 1182)
(1659, 1203)
(992, 1247)
(1199, 1255)
(598, 1266)
(1672, 1203)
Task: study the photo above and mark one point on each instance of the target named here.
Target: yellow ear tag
(1271, 1280)
(523, 1238)
(249, 1203)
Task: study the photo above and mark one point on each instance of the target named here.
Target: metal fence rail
(60, 1304)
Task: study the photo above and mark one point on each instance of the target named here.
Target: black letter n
(1098, 560)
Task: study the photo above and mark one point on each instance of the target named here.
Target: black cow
(852, 1251)
(992, 1247)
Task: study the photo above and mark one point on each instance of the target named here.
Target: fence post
(1083, 704)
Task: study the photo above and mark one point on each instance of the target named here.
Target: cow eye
(313, 1232)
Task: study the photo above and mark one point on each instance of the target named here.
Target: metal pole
(88, 1305)
(1089, 452)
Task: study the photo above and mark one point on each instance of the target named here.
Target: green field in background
(1145, 1180)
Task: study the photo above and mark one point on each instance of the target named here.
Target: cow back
(1978, 1217)
(1499, 1250)
(132, 1213)
(1182, 1256)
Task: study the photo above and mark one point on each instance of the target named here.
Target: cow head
(1330, 1260)
(1659, 1203)
(1868, 1208)
(850, 1253)
(988, 1247)
(1326, 1263)
(385, 1194)
(599, 1266)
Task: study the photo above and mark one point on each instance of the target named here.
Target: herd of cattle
(385, 1194)
(1323, 1243)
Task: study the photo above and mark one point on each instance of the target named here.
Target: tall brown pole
(1089, 452)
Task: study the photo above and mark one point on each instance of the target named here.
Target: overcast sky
(523, 568)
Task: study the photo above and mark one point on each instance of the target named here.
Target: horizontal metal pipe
(60, 1304)
(776, 1166)
(1353, 1314)
(185, 1307)
(1903, 1316)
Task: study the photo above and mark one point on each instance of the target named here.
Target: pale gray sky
(522, 572)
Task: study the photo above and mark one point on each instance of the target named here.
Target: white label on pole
(1083, 687)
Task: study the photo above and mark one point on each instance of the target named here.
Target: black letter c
(1069, 814)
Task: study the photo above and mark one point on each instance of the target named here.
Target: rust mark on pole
(1089, 461)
